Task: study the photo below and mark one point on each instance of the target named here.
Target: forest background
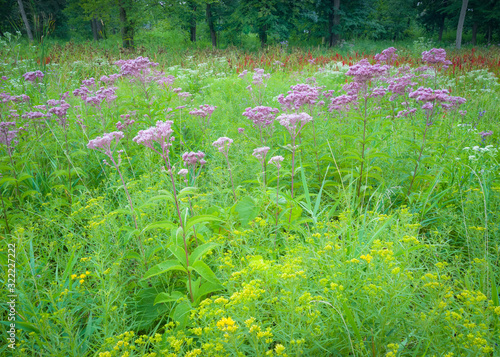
(250, 24)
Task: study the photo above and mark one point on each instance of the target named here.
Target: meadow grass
(388, 244)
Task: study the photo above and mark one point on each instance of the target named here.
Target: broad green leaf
(200, 219)
(207, 288)
(181, 314)
(159, 225)
(166, 297)
(200, 250)
(204, 270)
(179, 253)
(246, 209)
(187, 191)
(163, 268)
(131, 254)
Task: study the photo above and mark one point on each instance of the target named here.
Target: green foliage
(399, 274)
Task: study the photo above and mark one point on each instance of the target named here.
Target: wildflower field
(219, 203)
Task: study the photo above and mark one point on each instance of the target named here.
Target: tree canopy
(231, 21)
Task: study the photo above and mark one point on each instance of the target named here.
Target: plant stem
(362, 152)
(419, 156)
(166, 159)
(129, 202)
(231, 176)
(277, 207)
(69, 170)
(293, 171)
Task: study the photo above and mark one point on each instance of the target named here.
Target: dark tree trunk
(97, 29)
(210, 20)
(126, 28)
(441, 27)
(25, 20)
(488, 34)
(334, 24)
(192, 27)
(94, 29)
(192, 32)
(263, 36)
(474, 33)
(101, 30)
(460, 27)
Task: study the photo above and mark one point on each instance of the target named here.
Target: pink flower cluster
(435, 57)
(33, 76)
(96, 99)
(193, 158)
(259, 77)
(432, 96)
(161, 134)
(204, 111)
(400, 85)
(299, 96)
(7, 97)
(363, 72)
(166, 81)
(34, 115)
(387, 56)
(261, 116)
(126, 121)
(294, 122)
(276, 160)
(60, 112)
(103, 143)
(111, 79)
(223, 143)
(89, 82)
(343, 103)
(8, 134)
(137, 67)
(260, 153)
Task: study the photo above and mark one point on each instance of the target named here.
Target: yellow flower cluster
(81, 277)
(227, 324)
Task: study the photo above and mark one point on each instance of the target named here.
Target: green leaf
(179, 253)
(350, 319)
(187, 191)
(23, 178)
(200, 250)
(494, 290)
(204, 270)
(166, 297)
(207, 288)
(163, 268)
(181, 314)
(158, 225)
(26, 326)
(246, 209)
(133, 255)
(199, 219)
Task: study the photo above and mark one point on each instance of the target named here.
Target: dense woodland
(222, 23)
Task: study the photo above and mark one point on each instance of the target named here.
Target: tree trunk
(192, 32)
(192, 28)
(334, 23)
(263, 36)
(25, 20)
(441, 27)
(474, 33)
(488, 34)
(126, 28)
(94, 29)
(460, 26)
(210, 20)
